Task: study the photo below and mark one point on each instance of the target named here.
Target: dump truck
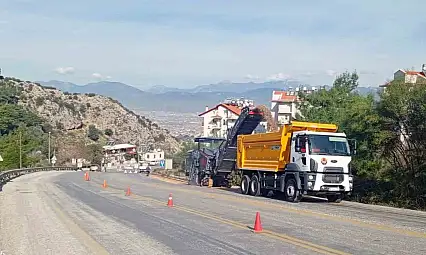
(302, 158)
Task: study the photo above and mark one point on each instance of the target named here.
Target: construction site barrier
(8, 175)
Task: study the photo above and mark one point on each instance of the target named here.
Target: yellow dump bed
(271, 151)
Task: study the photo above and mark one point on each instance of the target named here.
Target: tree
(94, 153)
(93, 133)
(9, 94)
(354, 114)
(179, 158)
(12, 116)
(403, 111)
(108, 132)
(33, 140)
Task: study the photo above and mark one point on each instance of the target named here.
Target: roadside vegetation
(390, 164)
(21, 131)
(24, 135)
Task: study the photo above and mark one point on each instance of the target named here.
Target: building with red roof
(284, 104)
(407, 76)
(219, 119)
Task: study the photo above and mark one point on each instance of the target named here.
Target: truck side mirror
(297, 147)
(352, 146)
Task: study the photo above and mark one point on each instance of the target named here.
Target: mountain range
(169, 99)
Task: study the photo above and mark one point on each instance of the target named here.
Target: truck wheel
(254, 186)
(245, 183)
(334, 198)
(292, 194)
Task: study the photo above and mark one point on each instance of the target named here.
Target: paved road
(60, 213)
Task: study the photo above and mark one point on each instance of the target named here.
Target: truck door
(299, 151)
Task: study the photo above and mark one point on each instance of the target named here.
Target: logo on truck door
(275, 148)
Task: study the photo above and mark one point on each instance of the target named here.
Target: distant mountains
(163, 98)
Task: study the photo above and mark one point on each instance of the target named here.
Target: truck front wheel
(245, 183)
(291, 192)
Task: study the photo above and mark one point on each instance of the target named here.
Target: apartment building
(284, 104)
(217, 121)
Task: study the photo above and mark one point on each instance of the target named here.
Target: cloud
(278, 77)
(331, 72)
(100, 76)
(64, 70)
(200, 42)
(97, 75)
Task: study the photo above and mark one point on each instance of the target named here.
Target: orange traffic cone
(128, 191)
(85, 176)
(170, 201)
(105, 184)
(257, 224)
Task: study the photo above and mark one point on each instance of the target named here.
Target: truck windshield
(328, 145)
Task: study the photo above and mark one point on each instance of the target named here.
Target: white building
(221, 118)
(153, 157)
(284, 106)
(412, 77)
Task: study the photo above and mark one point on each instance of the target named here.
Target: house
(221, 118)
(412, 77)
(217, 120)
(284, 106)
(153, 157)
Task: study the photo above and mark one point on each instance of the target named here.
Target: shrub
(108, 132)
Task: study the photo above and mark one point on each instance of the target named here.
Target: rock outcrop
(76, 112)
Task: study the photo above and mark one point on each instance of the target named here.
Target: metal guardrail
(6, 176)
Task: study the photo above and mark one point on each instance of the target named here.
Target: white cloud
(186, 49)
(278, 77)
(65, 70)
(331, 72)
(100, 76)
(97, 75)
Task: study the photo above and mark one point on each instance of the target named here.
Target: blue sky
(184, 43)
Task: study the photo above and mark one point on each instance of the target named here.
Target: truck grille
(332, 178)
(331, 169)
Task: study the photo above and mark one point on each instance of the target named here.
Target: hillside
(173, 99)
(72, 114)
(191, 100)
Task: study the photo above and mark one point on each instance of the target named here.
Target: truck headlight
(351, 178)
(311, 177)
(310, 184)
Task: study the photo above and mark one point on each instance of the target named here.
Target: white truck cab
(323, 160)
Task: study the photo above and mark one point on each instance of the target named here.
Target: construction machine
(301, 158)
(215, 158)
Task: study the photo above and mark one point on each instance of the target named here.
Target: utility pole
(49, 150)
(20, 149)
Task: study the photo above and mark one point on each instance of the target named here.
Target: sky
(184, 43)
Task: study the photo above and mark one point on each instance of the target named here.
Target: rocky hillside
(75, 113)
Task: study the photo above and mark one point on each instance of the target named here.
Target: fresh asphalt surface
(60, 213)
